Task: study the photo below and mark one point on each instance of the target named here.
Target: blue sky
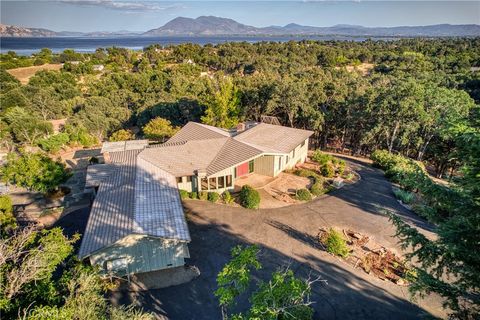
(114, 15)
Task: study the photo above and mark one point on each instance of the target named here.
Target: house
(137, 223)
(98, 67)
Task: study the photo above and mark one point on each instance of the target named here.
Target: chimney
(241, 127)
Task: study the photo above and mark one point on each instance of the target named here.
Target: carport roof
(136, 199)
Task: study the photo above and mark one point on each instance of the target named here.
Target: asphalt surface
(287, 239)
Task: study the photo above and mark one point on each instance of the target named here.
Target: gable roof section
(158, 209)
(98, 173)
(182, 159)
(197, 131)
(232, 153)
(120, 146)
(272, 138)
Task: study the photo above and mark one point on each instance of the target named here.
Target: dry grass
(24, 74)
(364, 68)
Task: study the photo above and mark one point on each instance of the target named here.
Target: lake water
(27, 46)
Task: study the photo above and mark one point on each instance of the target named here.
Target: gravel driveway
(286, 236)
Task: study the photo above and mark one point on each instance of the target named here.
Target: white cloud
(120, 5)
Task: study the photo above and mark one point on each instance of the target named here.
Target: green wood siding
(144, 254)
(265, 165)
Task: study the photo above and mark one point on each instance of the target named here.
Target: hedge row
(440, 202)
(204, 195)
(329, 165)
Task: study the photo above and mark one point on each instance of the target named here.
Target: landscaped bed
(325, 172)
(360, 251)
(317, 176)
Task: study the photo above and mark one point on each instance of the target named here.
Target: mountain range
(216, 26)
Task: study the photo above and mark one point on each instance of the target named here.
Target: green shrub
(213, 197)
(183, 194)
(54, 143)
(80, 135)
(336, 244)
(341, 165)
(382, 159)
(249, 197)
(317, 189)
(34, 171)
(322, 158)
(203, 195)
(327, 170)
(308, 174)
(7, 220)
(439, 202)
(193, 195)
(227, 197)
(121, 135)
(405, 196)
(303, 195)
(349, 176)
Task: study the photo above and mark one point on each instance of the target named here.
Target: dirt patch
(364, 68)
(373, 258)
(282, 190)
(58, 124)
(288, 183)
(25, 73)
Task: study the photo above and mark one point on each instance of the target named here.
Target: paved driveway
(286, 238)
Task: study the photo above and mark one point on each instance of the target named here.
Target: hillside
(212, 26)
(14, 31)
(202, 26)
(209, 25)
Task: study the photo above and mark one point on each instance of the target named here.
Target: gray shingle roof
(98, 173)
(197, 131)
(119, 146)
(273, 138)
(206, 148)
(182, 159)
(232, 153)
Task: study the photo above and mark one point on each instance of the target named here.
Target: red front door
(242, 169)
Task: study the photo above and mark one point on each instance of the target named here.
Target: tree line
(404, 96)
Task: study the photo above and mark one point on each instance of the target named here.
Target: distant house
(98, 67)
(137, 222)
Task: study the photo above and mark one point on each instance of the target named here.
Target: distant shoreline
(29, 45)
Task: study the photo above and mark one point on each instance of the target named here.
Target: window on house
(212, 182)
(293, 153)
(288, 159)
(179, 179)
(303, 143)
(279, 163)
(204, 184)
(189, 178)
(221, 182)
(229, 181)
(250, 166)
